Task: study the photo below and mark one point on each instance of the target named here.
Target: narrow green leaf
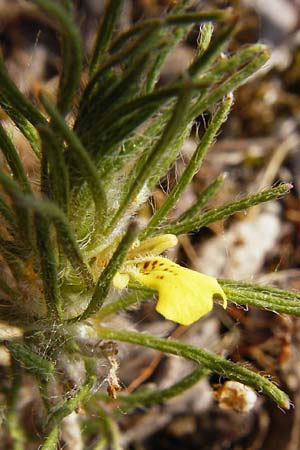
(105, 32)
(102, 443)
(259, 57)
(197, 17)
(121, 304)
(67, 4)
(170, 37)
(110, 436)
(6, 289)
(105, 279)
(202, 199)
(205, 58)
(169, 20)
(121, 129)
(150, 397)
(44, 175)
(126, 88)
(266, 304)
(49, 270)
(33, 362)
(12, 247)
(137, 47)
(51, 213)
(12, 416)
(146, 34)
(7, 213)
(51, 442)
(217, 120)
(138, 31)
(84, 163)
(122, 119)
(11, 259)
(12, 99)
(154, 73)
(89, 109)
(134, 147)
(102, 104)
(264, 297)
(23, 124)
(222, 69)
(72, 53)
(23, 217)
(261, 288)
(58, 169)
(155, 99)
(71, 404)
(228, 65)
(228, 209)
(204, 38)
(213, 362)
(151, 168)
(12, 157)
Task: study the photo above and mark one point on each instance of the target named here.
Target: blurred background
(259, 146)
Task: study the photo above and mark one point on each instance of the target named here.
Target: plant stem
(105, 32)
(81, 395)
(129, 402)
(213, 362)
(157, 162)
(228, 209)
(72, 52)
(265, 298)
(202, 199)
(11, 154)
(84, 163)
(121, 304)
(105, 279)
(51, 441)
(12, 415)
(207, 139)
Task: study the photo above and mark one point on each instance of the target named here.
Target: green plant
(63, 244)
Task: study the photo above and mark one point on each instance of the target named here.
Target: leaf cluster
(101, 149)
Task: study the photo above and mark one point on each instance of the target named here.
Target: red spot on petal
(146, 264)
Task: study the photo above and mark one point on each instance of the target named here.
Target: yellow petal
(183, 294)
(153, 246)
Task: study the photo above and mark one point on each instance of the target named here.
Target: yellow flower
(183, 294)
